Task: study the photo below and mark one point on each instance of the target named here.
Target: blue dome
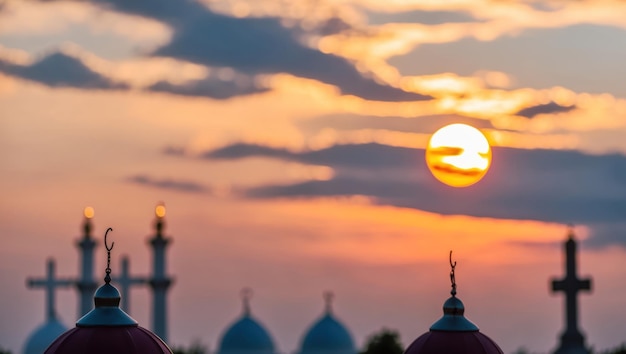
(246, 336)
(43, 336)
(328, 335)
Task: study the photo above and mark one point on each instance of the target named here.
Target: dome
(453, 333)
(327, 335)
(45, 334)
(107, 329)
(246, 335)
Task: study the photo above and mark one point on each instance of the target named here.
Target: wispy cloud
(548, 108)
(210, 87)
(172, 184)
(61, 70)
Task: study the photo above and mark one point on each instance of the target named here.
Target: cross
(125, 281)
(571, 285)
(49, 283)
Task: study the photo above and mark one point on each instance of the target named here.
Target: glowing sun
(458, 155)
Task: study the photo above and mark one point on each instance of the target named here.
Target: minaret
(86, 284)
(159, 282)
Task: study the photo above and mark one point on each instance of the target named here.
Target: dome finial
(107, 278)
(328, 300)
(246, 295)
(452, 278)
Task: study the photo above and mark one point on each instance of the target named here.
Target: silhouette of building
(107, 328)
(453, 333)
(246, 335)
(45, 334)
(327, 335)
(572, 339)
(85, 284)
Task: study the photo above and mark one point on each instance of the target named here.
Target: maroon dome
(453, 333)
(439, 342)
(118, 340)
(107, 329)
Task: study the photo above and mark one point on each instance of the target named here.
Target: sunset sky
(286, 139)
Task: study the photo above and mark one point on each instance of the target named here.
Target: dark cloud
(536, 58)
(423, 124)
(544, 185)
(606, 234)
(420, 16)
(365, 156)
(211, 88)
(548, 108)
(61, 70)
(253, 46)
(262, 45)
(183, 186)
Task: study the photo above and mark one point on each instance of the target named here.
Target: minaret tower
(159, 282)
(86, 284)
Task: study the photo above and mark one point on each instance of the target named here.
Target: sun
(458, 155)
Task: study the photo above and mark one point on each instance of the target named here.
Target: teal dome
(328, 336)
(246, 335)
(43, 336)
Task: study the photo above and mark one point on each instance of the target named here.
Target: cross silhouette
(572, 338)
(49, 284)
(126, 281)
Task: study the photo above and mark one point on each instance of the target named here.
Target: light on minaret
(88, 212)
(160, 210)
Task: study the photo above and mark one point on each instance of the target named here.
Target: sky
(286, 139)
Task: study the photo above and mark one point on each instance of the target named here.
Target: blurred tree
(4, 351)
(619, 350)
(385, 342)
(195, 348)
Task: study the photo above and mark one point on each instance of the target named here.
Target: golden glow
(88, 212)
(458, 155)
(160, 210)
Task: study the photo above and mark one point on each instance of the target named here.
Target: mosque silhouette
(106, 327)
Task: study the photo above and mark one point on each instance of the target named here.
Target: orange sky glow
(294, 177)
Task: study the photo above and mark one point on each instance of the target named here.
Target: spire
(328, 300)
(107, 312)
(107, 277)
(246, 296)
(453, 310)
(452, 278)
